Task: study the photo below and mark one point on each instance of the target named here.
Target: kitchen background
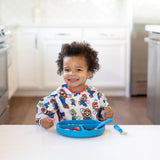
(116, 28)
(63, 13)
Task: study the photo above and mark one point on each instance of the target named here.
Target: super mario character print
(40, 104)
(95, 105)
(54, 103)
(73, 102)
(91, 92)
(63, 97)
(46, 112)
(65, 105)
(62, 114)
(73, 114)
(83, 100)
(45, 108)
(76, 94)
(86, 113)
(99, 95)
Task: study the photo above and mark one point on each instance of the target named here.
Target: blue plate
(86, 128)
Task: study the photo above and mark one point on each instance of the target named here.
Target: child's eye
(79, 69)
(66, 70)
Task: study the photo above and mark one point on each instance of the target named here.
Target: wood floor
(130, 111)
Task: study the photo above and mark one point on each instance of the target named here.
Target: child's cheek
(65, 75)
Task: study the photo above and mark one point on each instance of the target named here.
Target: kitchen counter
(31, 142)
(153, 28)
(74, 26)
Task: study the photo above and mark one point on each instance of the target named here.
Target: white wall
(66, 12)
(80, 12)
(146, 11)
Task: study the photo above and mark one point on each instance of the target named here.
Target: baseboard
(41, 93)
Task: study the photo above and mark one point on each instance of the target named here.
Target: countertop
(71, 26)
(31, 142)
(152, 28)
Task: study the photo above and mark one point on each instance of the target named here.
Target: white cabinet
(29, 61)
(50, 79)
(39, 48)
(112, 65)
(111, 47)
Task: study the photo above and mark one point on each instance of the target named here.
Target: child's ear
(89, 74)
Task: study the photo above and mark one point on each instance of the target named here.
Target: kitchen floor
(126, 110)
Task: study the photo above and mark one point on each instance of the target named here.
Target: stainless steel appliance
(4, 107)
(153, 89)
(139, 58)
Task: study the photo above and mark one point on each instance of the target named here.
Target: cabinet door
(12, 64)
(112, 65)
(28, 59)
(50, 78)
(12, 72)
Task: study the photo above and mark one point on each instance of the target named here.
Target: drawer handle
(103, 34)
(62, 34)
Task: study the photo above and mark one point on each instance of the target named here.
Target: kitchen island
(32, 142)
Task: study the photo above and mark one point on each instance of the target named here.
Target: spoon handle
(120, 130)
(116, 127)
(104, 123)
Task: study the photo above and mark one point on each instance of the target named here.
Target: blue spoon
(104, 123)
(120, 130)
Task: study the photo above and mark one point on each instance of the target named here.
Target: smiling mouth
(73, 80)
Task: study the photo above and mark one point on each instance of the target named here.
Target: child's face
(75, 72)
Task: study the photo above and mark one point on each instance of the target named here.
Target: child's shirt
(64, 104)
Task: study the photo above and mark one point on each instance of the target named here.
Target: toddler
(74, 100)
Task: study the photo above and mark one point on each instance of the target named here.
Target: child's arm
(46, 109)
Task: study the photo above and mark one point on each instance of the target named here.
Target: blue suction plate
(86, 128)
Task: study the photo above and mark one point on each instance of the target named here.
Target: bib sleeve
(47, 106)
(103, 104)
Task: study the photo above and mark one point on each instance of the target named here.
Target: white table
(31, 142)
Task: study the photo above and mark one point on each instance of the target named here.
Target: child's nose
(72, 73)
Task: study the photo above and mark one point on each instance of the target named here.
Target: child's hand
(47, 122)
(108, 113)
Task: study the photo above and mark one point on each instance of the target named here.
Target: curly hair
(79, 49)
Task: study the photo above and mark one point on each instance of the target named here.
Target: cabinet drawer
(61, 34)
(104, 34)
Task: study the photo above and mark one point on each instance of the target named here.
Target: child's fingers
(51, 121)
(108, 113)
(108, 116)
